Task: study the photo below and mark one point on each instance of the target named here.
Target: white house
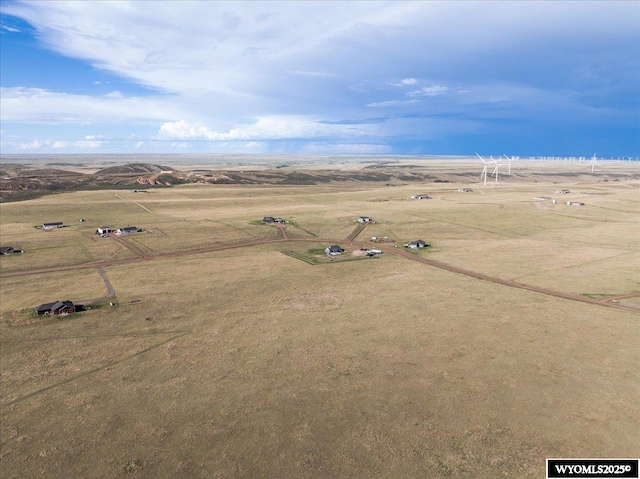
(334, 250)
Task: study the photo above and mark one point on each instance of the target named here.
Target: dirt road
(387, 249)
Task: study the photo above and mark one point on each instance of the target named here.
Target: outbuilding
(56, 308)
(423, 196)
(50, 226)
(417, 244)
(103, 230)
(128, 230)
(364, 219)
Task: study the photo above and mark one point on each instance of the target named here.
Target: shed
(128, 230)
(417, 244)
(364, 219)
(50, 226)
(56, 308)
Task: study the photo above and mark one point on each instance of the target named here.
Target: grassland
(247, 362)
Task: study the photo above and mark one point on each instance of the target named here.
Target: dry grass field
(248, 363)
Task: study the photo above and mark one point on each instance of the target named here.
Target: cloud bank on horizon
(520, 78)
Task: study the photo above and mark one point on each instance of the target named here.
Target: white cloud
(88, 143)
(384, 104)
(59, 144)
(38, 105)
(9, 29)
(276, 127)
(225, 62)
(310, 74)
(406, 82)
(431, 91)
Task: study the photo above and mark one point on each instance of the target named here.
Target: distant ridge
(134, 169)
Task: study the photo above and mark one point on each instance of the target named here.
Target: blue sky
(517, 78)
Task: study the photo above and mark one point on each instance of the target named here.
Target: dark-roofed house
(7, 250)
(334, 250)
(128, 230)
(267, 219)
(59, 307)
(50, 226)
(416, 244)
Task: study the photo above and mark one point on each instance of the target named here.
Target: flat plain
(223, 357)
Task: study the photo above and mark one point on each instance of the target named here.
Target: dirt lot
(247, 362)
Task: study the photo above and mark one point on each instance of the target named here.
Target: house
(372, 252)
(267, 219)
(50, 226)
(6, 250)
(465, 190)
(334, 250)
(278, 220)
(417, 244)
(364, 219)
(421, 197)
(574, 203)
(128, 230)
(59, 307)
(103, 230)
(562, 192)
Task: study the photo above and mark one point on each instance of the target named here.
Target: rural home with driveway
(56, 308)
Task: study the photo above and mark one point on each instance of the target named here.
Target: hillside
(134, 169)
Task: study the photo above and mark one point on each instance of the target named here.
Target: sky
(407, 78)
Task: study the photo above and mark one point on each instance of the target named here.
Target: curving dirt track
(508, 282)
(605, 302)
(111, 292)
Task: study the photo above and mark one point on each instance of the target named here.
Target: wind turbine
(484, 170)
(513, 158)
(593, 162)
(495, 170)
